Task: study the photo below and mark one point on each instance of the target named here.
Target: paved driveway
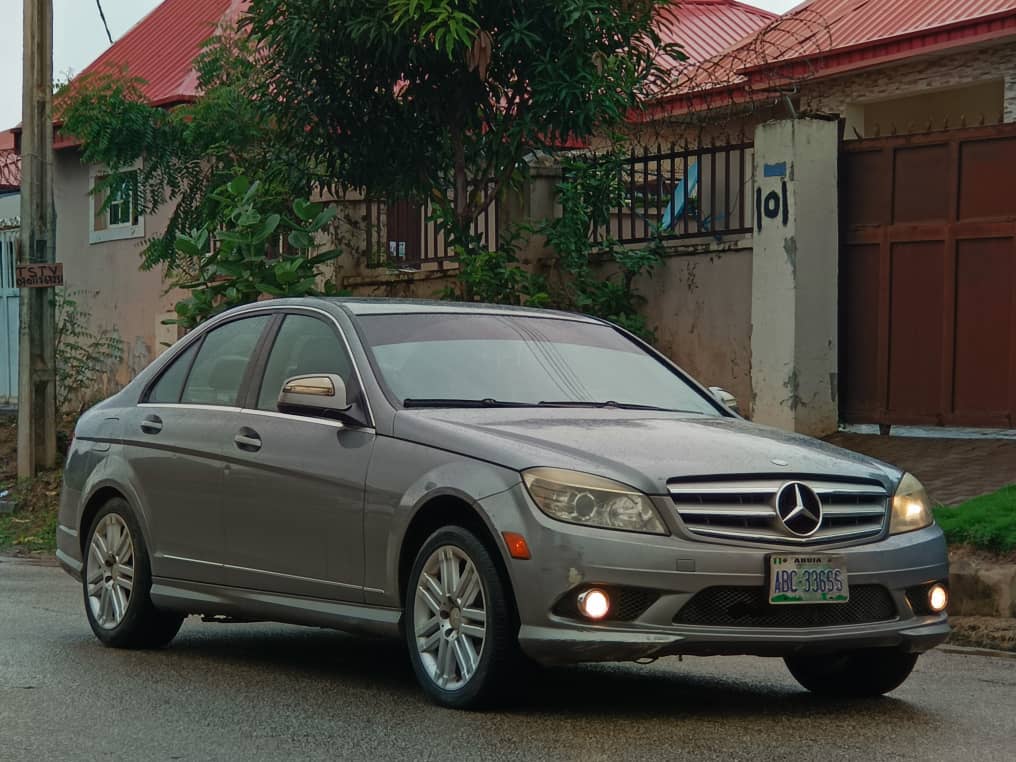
(252, 692)
(953, 470)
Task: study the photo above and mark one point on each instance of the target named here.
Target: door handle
(152, 424)
(248, 440)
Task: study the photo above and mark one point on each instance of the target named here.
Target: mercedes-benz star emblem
(799, 509)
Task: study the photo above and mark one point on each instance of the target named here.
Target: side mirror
(725, 398)
(322, 394)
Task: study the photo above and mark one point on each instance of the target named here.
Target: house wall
(105, 278)
(951, 106)
(699, 306)
(957, 86)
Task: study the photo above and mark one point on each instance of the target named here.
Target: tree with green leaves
(228, 240)
(188, 151)
(443, 99)
(438, 100)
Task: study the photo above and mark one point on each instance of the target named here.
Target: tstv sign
(39, 276)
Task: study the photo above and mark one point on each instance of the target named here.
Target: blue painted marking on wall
(775, 170)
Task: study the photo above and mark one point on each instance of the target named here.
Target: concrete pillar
(534, 202)
(795, 276)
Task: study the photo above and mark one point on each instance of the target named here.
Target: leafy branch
(246, 251)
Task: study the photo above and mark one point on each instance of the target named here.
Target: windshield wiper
(489, 402)
(610, 403)
(451, 402)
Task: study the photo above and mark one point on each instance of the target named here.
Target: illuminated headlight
(588, 500)
(911, 507)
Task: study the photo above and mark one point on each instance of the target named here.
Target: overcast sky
(78, 38)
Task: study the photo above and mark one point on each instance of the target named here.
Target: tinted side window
(304, 345)
(218, 369)
(169, 386)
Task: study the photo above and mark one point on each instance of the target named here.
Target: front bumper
(566, 559)
(585, 643)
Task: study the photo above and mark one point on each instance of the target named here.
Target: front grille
(626, 603)
(745, 510)
(750, 607)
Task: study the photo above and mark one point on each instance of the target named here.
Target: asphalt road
(273, 692)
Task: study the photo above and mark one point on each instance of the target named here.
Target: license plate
(808, 579)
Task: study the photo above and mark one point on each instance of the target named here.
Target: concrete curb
(968, 651)
(40, 560)
(980, 585)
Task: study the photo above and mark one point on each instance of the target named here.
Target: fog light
(594, 604)
(938, 598)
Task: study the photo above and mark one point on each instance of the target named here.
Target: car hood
(640, 448)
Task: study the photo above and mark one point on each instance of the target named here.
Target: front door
(294, 485)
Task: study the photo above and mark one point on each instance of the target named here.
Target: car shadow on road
(633, 691)
(330, 659)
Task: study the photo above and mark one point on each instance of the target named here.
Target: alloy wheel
(450, 617)
(109, 571)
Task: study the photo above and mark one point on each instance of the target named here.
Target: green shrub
(987, 522)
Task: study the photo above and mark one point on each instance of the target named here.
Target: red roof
(826, 37)
(161, 48)
(704, 28)
(857, 22)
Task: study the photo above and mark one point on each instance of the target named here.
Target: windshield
(463, 360)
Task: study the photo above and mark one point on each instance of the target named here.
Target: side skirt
(211, 600)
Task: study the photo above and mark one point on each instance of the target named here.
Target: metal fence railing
(679, 193)
(676, 193)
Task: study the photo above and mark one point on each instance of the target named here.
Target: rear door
(295, 487)
(176, 445)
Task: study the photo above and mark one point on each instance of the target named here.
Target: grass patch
(987, 522)
(28, 532)
(31, 529)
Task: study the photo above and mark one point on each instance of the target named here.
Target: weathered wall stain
(790, 247)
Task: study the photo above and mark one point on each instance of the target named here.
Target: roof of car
(362, 306)
(366, 306)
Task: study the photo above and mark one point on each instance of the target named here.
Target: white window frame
(119, 232)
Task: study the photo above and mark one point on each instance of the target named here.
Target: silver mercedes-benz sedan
(499, 487)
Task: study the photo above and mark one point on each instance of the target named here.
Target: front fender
(396, 496)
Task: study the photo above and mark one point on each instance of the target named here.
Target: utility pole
(37, 361)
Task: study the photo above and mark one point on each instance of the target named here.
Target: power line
(102, 15)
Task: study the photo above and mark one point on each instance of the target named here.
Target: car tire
(852, 674)
(457, 666)
(117, 579)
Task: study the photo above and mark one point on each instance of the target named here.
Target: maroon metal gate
(928, 279)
